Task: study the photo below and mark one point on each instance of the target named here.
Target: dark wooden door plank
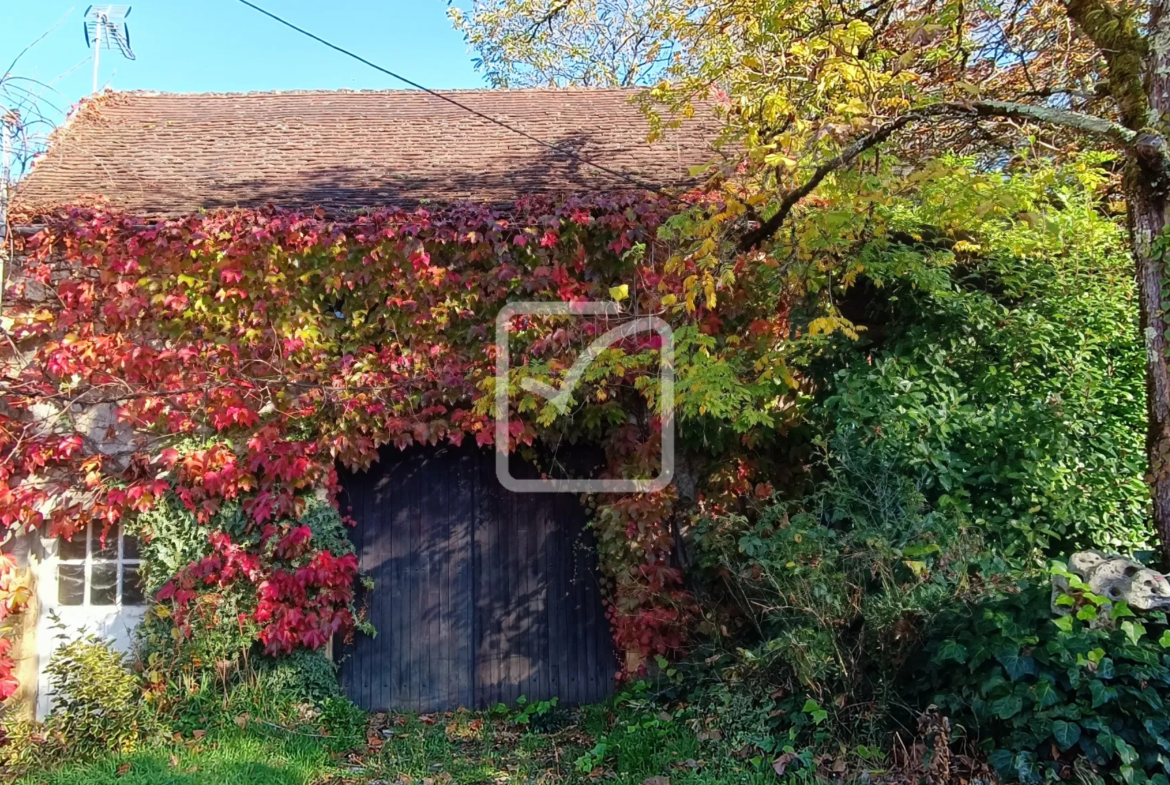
(481, 595)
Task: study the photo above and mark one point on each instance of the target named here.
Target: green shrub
(218, 647)
(220, 633)
(26, 745)
(1011, 389)
(343, 722)
(97, 700)
(300, 677)
(97, 708)
(285, 691)
(1043, 695)
(835, 591)
(212, 672)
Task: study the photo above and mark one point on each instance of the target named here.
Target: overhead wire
(470, 110)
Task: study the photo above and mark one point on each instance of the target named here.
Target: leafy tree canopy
(598, 43)
(831, 109)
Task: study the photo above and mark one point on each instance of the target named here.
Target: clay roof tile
(160, 154)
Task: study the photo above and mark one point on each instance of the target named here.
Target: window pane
(71, 584)
(133, 592)
(72, 549)
(110, 549)
(129, 547)
(104, 590)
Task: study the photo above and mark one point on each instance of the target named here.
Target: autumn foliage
(14, 596)
(240, 356)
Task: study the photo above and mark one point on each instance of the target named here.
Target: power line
(555, 148)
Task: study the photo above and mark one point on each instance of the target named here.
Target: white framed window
(93, 571)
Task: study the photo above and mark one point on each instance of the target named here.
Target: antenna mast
(105, 27)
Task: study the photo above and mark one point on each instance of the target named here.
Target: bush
(301, 677)
(98, 708)
(210, 670)
(1038, 692)
(218, 632)
(217, 642)
(344, 723)
(1011, 389)
(288, 690)
(97, 699)
(836, 590)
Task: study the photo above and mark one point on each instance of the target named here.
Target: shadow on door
(480, 595)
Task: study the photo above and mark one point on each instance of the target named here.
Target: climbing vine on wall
(14, 597)
(236, 357)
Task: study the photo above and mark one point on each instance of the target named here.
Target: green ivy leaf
(919, 550)
(1121, 610)
(1125, 751)
(1101, 694)
(1045, 694)
(1105, 669)
(1066, 733)
(1164, 641)
(1003, 761)
(814, 710)
(952, 650)
(1134, 630)
(1007, 706)
(1016, 665)
(1097, 599)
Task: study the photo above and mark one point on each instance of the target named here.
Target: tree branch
(842, 159)
(1150, 149)
(1090, 124)
(547, 18)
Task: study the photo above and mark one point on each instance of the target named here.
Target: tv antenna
(105, 27)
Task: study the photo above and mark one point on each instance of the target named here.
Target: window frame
(119, 560)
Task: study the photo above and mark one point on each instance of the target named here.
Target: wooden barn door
(415, 520)
(481, 595)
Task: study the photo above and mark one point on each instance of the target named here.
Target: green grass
(230, 757)
(445, 749)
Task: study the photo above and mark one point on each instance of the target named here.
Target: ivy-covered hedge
(1045, 695)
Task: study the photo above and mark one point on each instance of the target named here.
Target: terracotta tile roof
(170, 154)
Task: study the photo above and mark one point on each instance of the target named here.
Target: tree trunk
(1148, 219)
(1146, 187)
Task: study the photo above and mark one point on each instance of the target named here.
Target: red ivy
(14, 596)
(236, 356)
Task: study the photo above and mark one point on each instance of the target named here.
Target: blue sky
(224, 46)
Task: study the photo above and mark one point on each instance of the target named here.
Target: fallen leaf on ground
(781, 763)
